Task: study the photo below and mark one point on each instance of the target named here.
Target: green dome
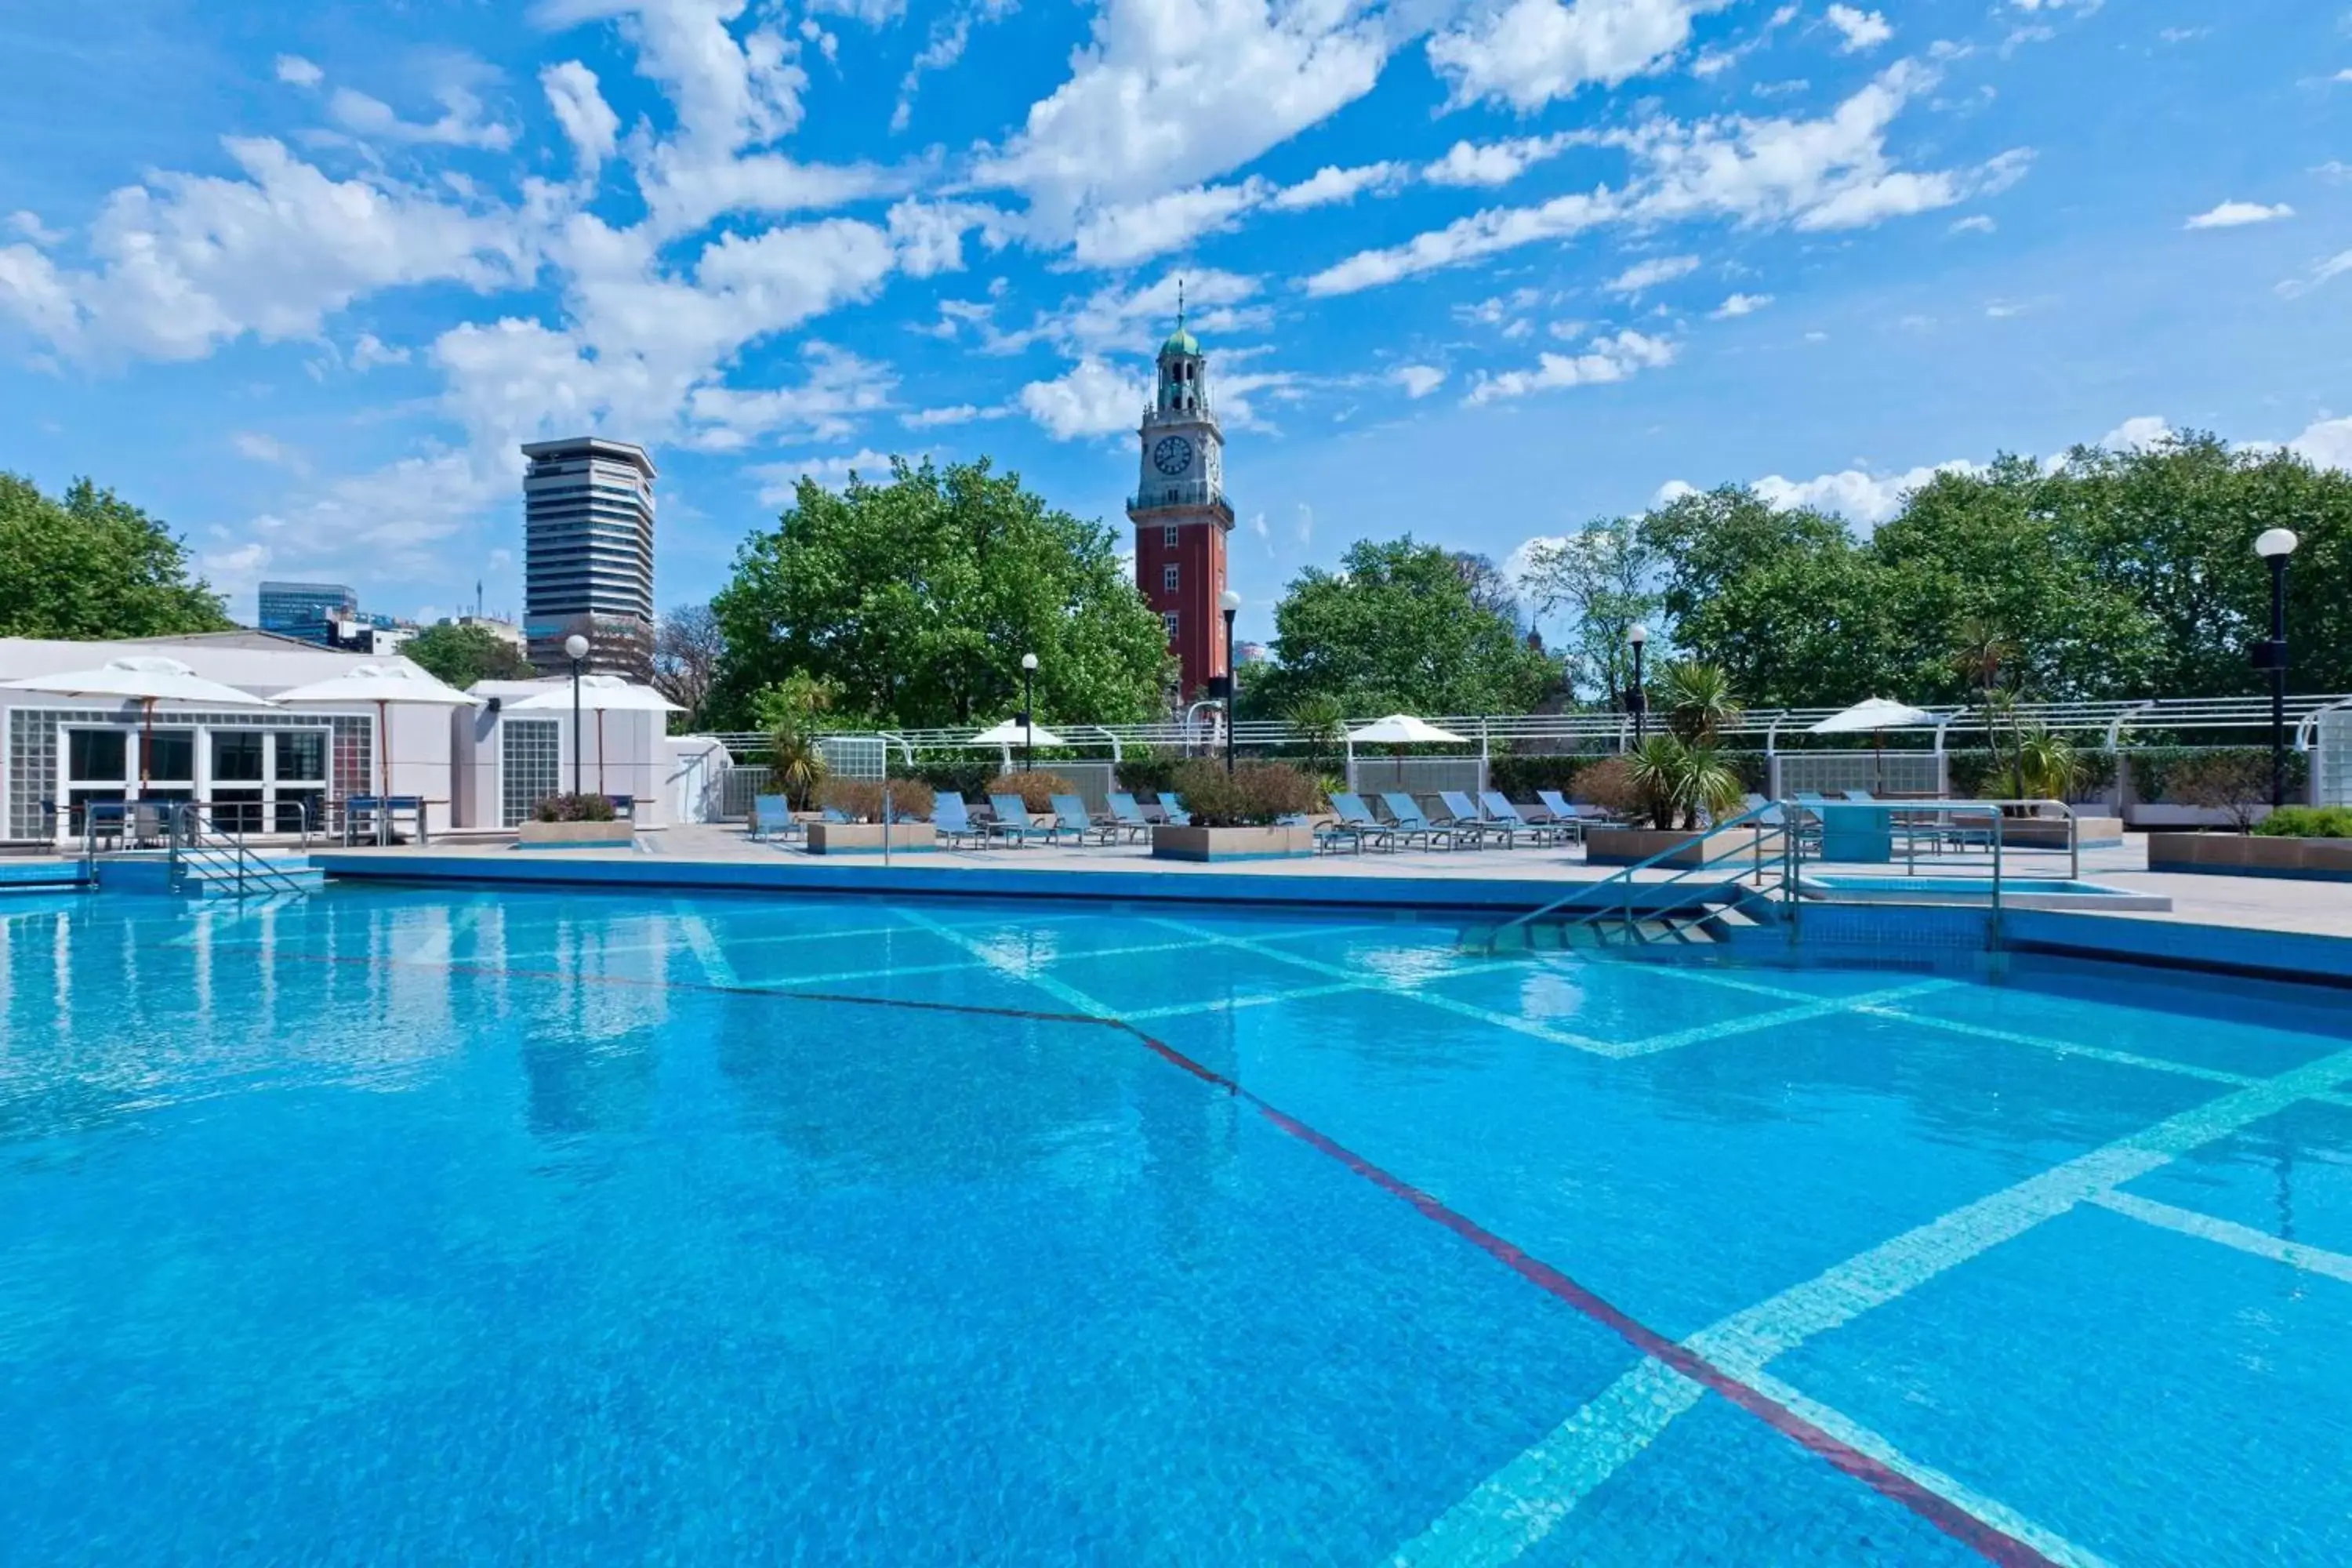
(1180, 342)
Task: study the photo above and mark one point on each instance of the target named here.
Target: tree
(688, 647)
(1598, 581)
(1397, 628)
(462, 655)
(91, 566)
(1490, 589)
(914, 599)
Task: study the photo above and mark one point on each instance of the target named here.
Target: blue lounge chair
(1543, 827)
(1127, 818)
(1070, 815)
(834, 818)
(1172, 806)
(1465, 817)
(1012, 821)
(954, 820)
(1411, 823)
(1562, 808)
(1357, 818)
(771, 817)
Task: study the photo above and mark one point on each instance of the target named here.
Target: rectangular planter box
(1168, 843)
(2050, 832)
(575, 834)
(1631, 845)
(865, 839)
(2246, 855)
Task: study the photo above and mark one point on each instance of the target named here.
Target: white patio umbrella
(383, 685)
(1013, 733)
(146, 679)
(1402, 730)
(600, 695)
(1876, 715)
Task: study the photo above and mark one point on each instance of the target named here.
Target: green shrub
(2232, 778)
(1257, 795)
(860, 800)
(571, 808)
(2307, 822)
(1518, 776)
(1609, 784)
(2157, 770)
(954, 775)
(1149, 769)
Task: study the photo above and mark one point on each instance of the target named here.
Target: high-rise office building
(588, 553)
(304, 609)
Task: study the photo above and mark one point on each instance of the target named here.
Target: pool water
(392, 1226)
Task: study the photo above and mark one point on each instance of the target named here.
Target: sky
(301, 279)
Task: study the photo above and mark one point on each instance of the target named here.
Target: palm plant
(1678, 781)
(1700, 704)
(1982, 649)
(796, 763)
(1321, 724)
(2048, 766)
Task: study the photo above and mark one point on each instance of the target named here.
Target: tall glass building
(588, 553)
(303, 609)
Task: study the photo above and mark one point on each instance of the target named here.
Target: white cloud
(1647, 275)
(2237, 215)
(371, 351)
(1172, 93)
(1494, 163)
(459, 125)
(296, 71)
(949, 36)
(580, 108)
(779, 481)
(1861, 29)
(1331, 185)
(1418, 380)
(958, 413)
(839, 389)
(1737, 305)
(28, 224)
(1525, 53)
(1865, 498)
(1832, 173)
(2326, 443)
(263, 448)
(1092, 399)
(2137, 434)
(1117, 318)
(2334, 267)
(1123, 236)
(187, 262)
(1606, 359)
(1975, 224)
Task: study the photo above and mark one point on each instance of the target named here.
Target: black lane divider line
(1988, 1539)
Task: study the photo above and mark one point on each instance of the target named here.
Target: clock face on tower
(1172, 455)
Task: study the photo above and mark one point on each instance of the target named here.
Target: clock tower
(1180, 512)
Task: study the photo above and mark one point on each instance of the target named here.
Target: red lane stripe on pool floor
(1988, 1539)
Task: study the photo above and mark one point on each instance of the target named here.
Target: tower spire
(1179, 304)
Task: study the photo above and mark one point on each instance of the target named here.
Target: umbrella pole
(600, 751)
(146, 740)
(383, 770)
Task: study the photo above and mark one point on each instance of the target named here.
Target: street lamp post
(1028, 709)
(575, 647)
(2275, 545)
(1636, 698)
(1230, 602)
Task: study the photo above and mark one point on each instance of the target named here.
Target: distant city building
(303, 609)
(1250, 653)
(370, 634)
(505, 631)
(1180, 512)
(588, 554)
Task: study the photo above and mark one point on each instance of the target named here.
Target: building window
(1168, 619)
(1167, 576)
(1168, 536)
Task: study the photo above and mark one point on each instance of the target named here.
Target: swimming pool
(398, 1227)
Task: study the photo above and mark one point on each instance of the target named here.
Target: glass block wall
(533, 765)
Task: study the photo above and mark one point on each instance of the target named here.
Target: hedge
(2151, 766)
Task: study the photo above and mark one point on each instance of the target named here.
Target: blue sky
(299, 278)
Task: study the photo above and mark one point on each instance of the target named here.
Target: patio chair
(1461, 815)
(1562, 809)
(834, 818)
(772, 818)
(952, 817)
(1412, 824)
(1357, 818)
(1172, 806)
(150, 819)
(1012, 821)
(1127, 818)
(102, 820)
(1542, 827)
(1070, 815)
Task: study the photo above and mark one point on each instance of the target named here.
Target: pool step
(1593, 934)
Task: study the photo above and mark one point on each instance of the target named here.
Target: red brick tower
(1180, 512)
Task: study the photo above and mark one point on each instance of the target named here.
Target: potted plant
(2292, 841)
(1238, 817)
(1676, 782)
(862, 801)
(573, 822)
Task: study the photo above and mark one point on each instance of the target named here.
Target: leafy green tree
(1398, 627)
(89, 565)
(1599, 581)
(464, 655)
(914, 599)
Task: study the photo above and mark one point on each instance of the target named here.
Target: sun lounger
(1412, 824)
(771, 817)
(954, 820)
(1542, 826)
(1171, 806)
(1127, 818)
(1070, 815)
(1356, 817)
(1461, 815)
(1012, 821)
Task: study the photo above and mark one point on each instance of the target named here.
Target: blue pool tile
(2288, 1176)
